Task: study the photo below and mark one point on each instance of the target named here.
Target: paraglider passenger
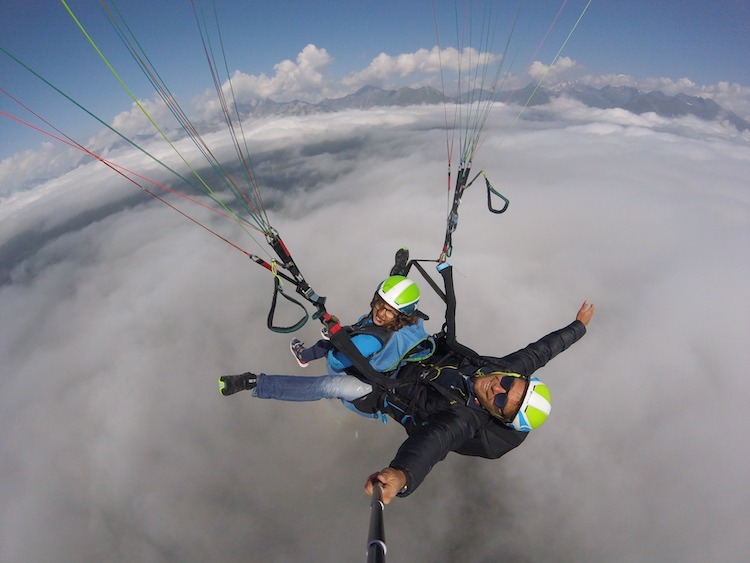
(391, 335)
(392, 308)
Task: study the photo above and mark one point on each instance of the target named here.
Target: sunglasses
(501, 399)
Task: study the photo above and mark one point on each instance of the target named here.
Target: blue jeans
(304, 388)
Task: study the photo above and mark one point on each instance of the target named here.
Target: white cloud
(23, 169)
(731, 96)
(552, 73)
(384, 67)
(143, 117)
(303, 78)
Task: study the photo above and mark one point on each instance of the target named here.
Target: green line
(554, 60)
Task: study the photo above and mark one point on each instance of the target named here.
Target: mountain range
(608, 97)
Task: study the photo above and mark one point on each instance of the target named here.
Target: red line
(122, 170)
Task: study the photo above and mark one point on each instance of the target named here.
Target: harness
(409, 344)
(403, 398)
(422, 376)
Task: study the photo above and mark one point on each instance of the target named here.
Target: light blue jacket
(408, 344)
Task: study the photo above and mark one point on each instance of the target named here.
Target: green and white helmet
(535, 407)
(401, 293)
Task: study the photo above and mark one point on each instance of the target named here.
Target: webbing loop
(278, 289)
(490, 191)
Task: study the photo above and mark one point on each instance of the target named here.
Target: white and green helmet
(401, 293)
(535, 407)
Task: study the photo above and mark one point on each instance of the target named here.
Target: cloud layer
(116, 445)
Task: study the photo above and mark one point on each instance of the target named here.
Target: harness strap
(343, 342)
(446, 271)
(428, 278)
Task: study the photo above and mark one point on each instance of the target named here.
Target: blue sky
(704, 42)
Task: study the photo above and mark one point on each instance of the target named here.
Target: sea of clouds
(118, 315)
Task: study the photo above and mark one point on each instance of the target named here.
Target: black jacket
(438, 422)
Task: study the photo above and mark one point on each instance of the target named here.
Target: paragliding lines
(480, 71)
(251, 202)
(241, 149)
(554, 59)
(477, 89)
(294, 276)
(171, 103)
(131, 176)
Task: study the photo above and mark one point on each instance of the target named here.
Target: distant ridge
(608, 97)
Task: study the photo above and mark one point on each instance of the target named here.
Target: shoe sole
(222, 387)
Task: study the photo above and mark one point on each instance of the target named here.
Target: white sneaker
(296, 346)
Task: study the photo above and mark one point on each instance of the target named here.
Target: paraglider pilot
(474, 405)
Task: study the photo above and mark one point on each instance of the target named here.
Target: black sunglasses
(501, 399)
